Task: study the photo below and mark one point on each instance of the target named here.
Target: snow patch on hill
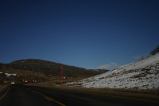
(143, 74)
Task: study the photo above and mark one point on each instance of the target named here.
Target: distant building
(12, 83)
(9, 75)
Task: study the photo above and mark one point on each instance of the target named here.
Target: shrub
(155, 51)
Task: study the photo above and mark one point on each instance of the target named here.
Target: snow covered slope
(143, 74)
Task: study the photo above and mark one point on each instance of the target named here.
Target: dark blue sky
(85, 33)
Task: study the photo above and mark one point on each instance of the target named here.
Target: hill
(143, 74)
(32, 69)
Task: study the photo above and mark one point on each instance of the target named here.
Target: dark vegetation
(155, 51)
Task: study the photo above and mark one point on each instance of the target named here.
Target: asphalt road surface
(33, 96)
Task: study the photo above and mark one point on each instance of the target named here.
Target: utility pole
(61, 73)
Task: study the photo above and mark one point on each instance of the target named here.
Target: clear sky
(85, 33)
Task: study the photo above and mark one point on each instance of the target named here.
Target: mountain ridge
(48, 68)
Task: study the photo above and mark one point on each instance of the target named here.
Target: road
(19, 95)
